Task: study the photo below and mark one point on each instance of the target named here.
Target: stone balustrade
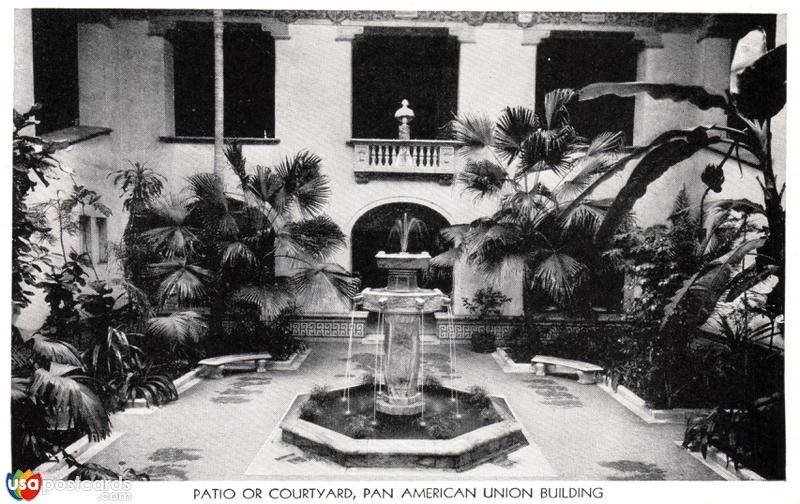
(375, 158)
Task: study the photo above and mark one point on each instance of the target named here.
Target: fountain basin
(458, 453)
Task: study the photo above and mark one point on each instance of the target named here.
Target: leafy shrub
(321, 395)
(486, 303)
(489, 415)
(359, 427)
(752, 436)
(281, 342)
(246, 333)
(478, 397)
(483, 342)
(310, 411)
(142, 383)
(441, 426)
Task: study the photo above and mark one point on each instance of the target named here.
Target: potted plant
(486, 304)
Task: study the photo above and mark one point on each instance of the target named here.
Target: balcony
(382, 159)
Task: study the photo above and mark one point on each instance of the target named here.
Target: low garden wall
(330, 325)
(551, 327)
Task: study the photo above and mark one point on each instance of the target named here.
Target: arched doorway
(370, 234)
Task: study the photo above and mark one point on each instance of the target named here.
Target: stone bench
(587, 373)
(214, 366)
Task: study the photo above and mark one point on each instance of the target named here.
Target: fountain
(398, 433)
(400, 417)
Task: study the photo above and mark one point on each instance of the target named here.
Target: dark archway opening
(370, 235)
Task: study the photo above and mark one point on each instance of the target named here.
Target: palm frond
(454, 234)
(555, 107)
(318, 280)
(606, 142)
(233, 153)
(238, 254)
(64, 395)
(473, 132)
(137, 299)
(302, 184)
(548, 150)
(174, 237)
(586, 215)
(318, 237)
(210, 201)
(446, 259)
(600, 156)
(182, 327)
(185, 281)
(270, 300)
(526, 207)
(514, 126)
(54, 350)
(558, 274)
(488, 244)
(483, 178)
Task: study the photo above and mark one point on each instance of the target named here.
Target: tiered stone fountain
(403, 305)
(397, 401)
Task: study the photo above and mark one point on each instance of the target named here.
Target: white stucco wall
(126, 84)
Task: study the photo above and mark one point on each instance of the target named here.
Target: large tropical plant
(33, 161)
(49, 395)
(141, 187)
(261, 246)
(757, 92)
(537, 166)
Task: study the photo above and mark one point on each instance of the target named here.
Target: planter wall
(329, 325)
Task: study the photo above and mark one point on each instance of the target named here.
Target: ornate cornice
(661, 22)
(656, 21)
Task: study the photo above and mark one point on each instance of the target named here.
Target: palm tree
(219, 92)
(532, 231)
(283, 222)
(215, 249)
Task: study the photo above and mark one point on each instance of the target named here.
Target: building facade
(134, 85)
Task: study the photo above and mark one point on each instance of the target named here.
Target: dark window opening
(85, 229)
(390, 65)
(573, 60)
(102, 240)
(55, 69)
(249, 79)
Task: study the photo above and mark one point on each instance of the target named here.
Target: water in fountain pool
(438, 403)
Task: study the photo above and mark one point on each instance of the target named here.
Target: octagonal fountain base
(458, 453)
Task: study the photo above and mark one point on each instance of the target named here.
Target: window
(392, 64)
(249, 60)
(102, 240)
(55, 68)
(85, 229)
(575, 59)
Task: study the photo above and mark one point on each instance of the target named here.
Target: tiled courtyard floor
(226, 429)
